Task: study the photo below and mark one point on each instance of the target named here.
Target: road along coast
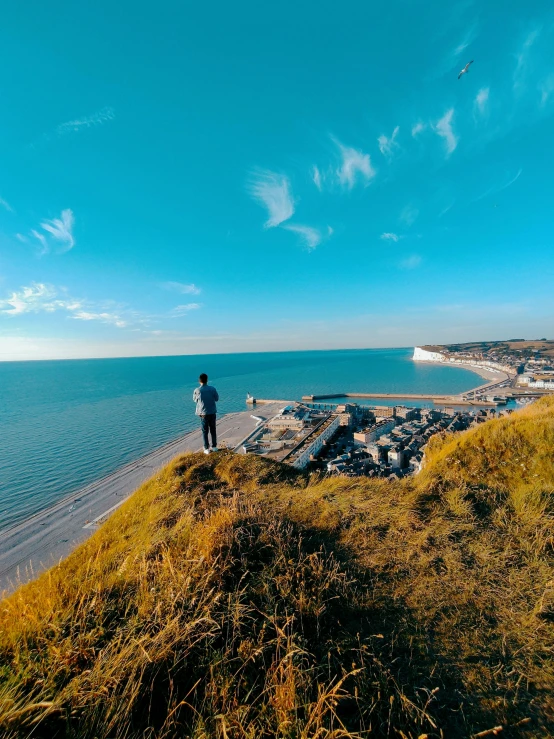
(31, 546)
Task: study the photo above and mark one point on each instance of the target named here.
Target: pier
(437, 399)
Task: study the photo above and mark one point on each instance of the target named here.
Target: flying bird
(465, 70)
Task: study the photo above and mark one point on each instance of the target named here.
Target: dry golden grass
(233, 597)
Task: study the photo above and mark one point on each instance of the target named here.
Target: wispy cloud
(465, 42)
(316, 177)
(355, 166)
(38, 297)
(409, 214)
(418, 128)
(546, 88)
(455, 22)
(89, 121)
(58, 233)
(41, 238)
(495, 189)
(388, 145)
(311, 237)
(6, 205)
(446, 208)
(182, 310)
(410, 262)
(461, 47)
(522, 59)
(273, 191)
(389, 236)
(61, 229)
(180, 287)
(110, 318)
(443, 128)
(481, 101)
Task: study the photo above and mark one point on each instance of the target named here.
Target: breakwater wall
(437, 399)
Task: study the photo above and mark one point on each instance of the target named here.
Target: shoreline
(29, 547)
(486, 374)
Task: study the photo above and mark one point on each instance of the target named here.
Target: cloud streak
(355, 166)
(410, 262)
(90, 121)
(546, 88)
(38, 297)
(61, 229)
(418, 128)
(409, 215)
(522, 59)
(316, 177)
(444, 129)
(6, 205)
(481, 102)
(180, 287)
(388, 146)
(273, 191)
(110, 318)
(182, 310)
(498, 188)
(389, 236)
(310, 237)
(41, 238)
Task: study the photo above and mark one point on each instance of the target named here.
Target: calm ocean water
(64, 424)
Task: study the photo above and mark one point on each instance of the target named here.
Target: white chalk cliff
(422, 355)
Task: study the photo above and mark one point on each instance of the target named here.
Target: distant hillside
(545, 347)
(234, 597)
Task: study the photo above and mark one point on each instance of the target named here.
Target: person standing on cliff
(205, 398)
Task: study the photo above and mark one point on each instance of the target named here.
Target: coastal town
(353, 440)
(526, 365)
(337, 436)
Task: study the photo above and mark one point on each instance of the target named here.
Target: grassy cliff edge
(234, 597)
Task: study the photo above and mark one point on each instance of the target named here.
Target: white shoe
(215, 449)
(207, 451)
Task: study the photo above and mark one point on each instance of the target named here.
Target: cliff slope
(233, 597)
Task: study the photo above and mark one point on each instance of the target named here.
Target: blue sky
(184, 178)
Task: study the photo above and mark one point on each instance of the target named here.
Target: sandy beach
(486, 374)
(33, 545)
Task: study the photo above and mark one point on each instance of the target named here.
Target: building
(374, 452)
(431, 414)
(407, 414)
(290, 418)
(374, 432)
(346, 419)
(539, 381)
(396, 459)
(383, 411)
(312, 444)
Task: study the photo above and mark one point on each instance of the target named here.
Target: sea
(67, 423)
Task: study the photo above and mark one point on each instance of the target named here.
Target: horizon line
(214, 354)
